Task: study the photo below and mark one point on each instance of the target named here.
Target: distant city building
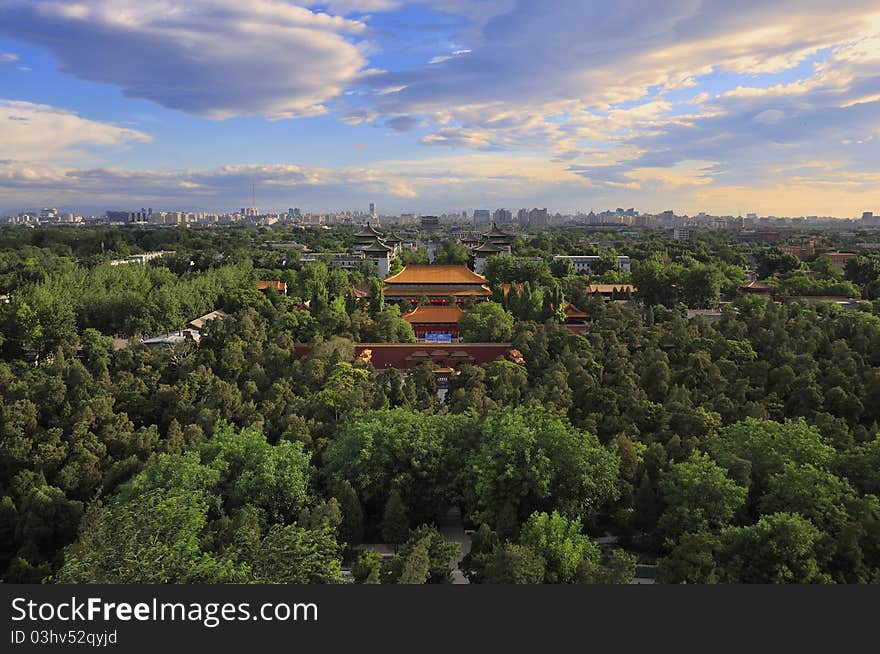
(870, 220)
(838, 259)
(142, 258)
(481, 216)
(538, 217)
(586, 263)
(429, 223)
(344, 260)
(522, 217)
(681, 233)
(502, 216)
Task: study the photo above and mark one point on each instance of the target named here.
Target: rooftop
(489, 246)
(201, 321)
(368, 231)
(610, 288)
(436, 275)
(265, 285)
(496, 233)
(572, 311)
(436, 290)
(437, 314)
(377, 246)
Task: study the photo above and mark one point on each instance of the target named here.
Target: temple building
(376, 248)
(499, 237)
(483, 252)
(495, 242)
(575, 319)
(435, 323)
(437, 284)
(366, 236)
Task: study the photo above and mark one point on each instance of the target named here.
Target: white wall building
(584, 263)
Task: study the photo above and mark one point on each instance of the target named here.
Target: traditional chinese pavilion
(437, 323)
(437, 284)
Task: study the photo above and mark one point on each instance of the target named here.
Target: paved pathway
(452, 528)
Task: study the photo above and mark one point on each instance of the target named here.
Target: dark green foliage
(395, 522)
(744, 449)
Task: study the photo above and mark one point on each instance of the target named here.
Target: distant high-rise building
(870, 220)
(502, 216)
(522, 217)
(538, 217)
(482, 216)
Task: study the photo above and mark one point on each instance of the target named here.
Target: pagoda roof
(496, 233)
(489, 246)
(572, 311)
(368, 231)
(605, 289)
(377, 246)
(434, 314)
(394, 238)
(436, 275)
(436, 290)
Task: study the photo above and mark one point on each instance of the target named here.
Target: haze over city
(422, 107)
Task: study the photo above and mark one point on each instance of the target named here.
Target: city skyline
(419, 106)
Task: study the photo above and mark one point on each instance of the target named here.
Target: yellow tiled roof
(436, 275)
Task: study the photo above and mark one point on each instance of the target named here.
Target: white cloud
(40, 132)
(214, 58)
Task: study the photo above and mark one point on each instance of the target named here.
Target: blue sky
(441, 105)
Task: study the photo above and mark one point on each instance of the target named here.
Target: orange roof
(435, 290)
(839, 255)
(437, 314)
(610, 288)
(265, 285)
(505, 288)
(436, 275)
(572, 311)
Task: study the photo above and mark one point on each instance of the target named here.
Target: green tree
(451, 252)
(779, 549)
(486, 322)
(290, 554)
(152, 538)
(699, 496)
(560, 542)
(693, 560)
(532, 460)
(515, 564)
(769, 445)
(395, 522)
(367, 568)
(417, 564)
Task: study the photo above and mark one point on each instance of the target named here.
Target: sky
(769, 106)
